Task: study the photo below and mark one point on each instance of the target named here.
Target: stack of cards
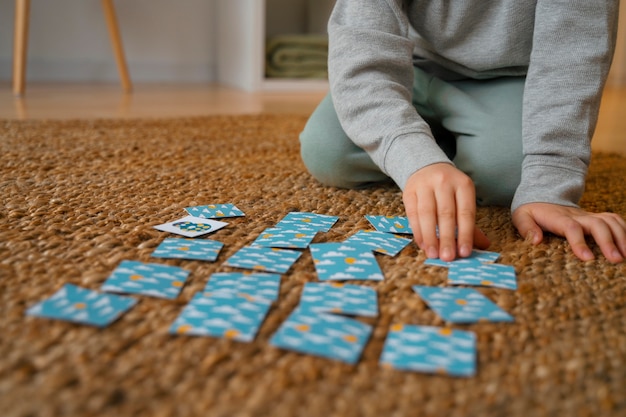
(233, 305)
(390, 224)
(485, 275)
(317, 326)
(199, 222)
(345, 261)
(429, 349)
(222, 314)
(200, 250)
(263, 259)
(272, 250)
(80, 305)
(283, 237)
(215, 211)
(381, 242)
(478, 269)
(347, 299)
(155, 280)
(248, 284)
(477, 256)
(296, 230)
(461, 305)
(298, 220)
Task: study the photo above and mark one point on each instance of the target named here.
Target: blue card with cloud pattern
(250, 284)
(264, 259)
(390, 224)
(477, 256)
(282, 237)
(215, 211)
(81, 305)
(298, 220)
(336, 298)
(325, 335)
(345, 261)
(381, 242)
(223, 315)
(430, 349)
(192, 249)
(485, 275)
(155, 280)
(461, 305)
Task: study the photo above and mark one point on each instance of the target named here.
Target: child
(469, 102)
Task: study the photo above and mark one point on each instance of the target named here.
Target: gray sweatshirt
(563, 47)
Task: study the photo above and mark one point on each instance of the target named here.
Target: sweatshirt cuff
(408, 153)
(549, 184)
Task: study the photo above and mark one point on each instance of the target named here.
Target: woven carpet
(78, 197)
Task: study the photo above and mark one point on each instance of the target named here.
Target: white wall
(164, 40)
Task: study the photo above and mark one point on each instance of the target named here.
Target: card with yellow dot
(222, 315)
(485, 275)
(282, 237)
(477, 256)
(345, 261)
(380, 242)
(84, 306)
(299, 220)
(250, 284)
(428, 349)
(264, 259)
(155, 280)
(325, 335)
(338, 298)
(461, 305)
(192, 249)
(215, 211)
(390, 224)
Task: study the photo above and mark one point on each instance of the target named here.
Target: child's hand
(440, 195)
(607, 229)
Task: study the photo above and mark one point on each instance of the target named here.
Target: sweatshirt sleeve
(573, 44)
(371, 79)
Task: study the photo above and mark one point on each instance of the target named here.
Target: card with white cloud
(345, 261)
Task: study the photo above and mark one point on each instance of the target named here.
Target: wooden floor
(90, 101)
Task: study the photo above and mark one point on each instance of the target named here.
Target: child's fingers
(575, 236)
(447, 223)
(410, 207)
(466, 220)
(527, 227)
(606, 233)
(618, 230)
(427, 209)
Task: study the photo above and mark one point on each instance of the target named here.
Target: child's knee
(493, 159)
(496, 176)
(329, 154)
(334, 160)
(322, 158)
(496, 187)
(495, 166)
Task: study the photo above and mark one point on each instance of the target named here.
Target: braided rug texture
(78, 197)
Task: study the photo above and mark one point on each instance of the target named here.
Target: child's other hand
(442, 196)
(607, 229)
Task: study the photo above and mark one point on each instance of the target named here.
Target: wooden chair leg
(20, 46)
(116, 42)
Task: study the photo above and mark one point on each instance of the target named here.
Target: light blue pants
(477, 123)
